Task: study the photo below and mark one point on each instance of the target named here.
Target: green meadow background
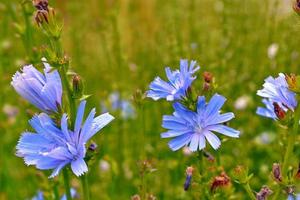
(120, 46)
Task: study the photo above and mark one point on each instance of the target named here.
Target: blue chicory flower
(40, 195)
(118, 104)
(268, 111)
(54, 148)
(42, 90)
(179, 82)
(194, 128)
(276, 90)
(293, 197)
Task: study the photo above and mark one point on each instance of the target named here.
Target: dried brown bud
(220, 181)
(40, 4)
(298, 172)
(41, 16)
(208, 77)
(189, 171)
(206, 86)
(188, 179)
(291, 81)
(77, 86)
(263, 193)
(136, 197)
(278, 111)
(277, 172)
(151, 197)
(296, 6)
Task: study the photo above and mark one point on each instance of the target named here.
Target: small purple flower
(179, 82)
(276, 90)
(42, 90)
(54, 148)
(194, 128)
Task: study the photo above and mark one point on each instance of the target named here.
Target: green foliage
(121, 46)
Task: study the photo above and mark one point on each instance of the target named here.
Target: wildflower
(220, 181)
(54, 148)
(127, 110)
(293, 197)
(11, 112)
(104, 165)
(268, 111)
(192, 128)
(272, 50)
(277, 172)
(264, 193)
(242, 102)
(42, 90)
(118, 104)
(264, 138)
(40, 195)
(73, 194)
(179, 82)
(278, 98)
(188, 180)
(277, 90)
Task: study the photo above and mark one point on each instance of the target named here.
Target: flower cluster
(190, 127)
(54, 144)
(277, 97)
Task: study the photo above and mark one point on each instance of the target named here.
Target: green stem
(200, 168)
(56, 193)
(67, 86)
(67, 184)
(249, 191)
(85, 187)
(291, 142)
(289, 150)
(27, 37)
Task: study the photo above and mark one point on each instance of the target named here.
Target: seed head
(220, 181)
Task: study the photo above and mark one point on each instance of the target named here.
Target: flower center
(198, 129)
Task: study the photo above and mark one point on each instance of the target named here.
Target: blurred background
(118, 47)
